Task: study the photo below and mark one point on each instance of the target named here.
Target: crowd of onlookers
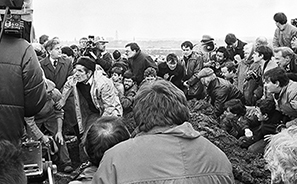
(251, 86)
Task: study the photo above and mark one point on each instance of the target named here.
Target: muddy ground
(248, 168)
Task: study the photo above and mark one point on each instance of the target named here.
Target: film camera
(36, 168)
(12, 13)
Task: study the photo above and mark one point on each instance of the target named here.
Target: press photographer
(96, 49)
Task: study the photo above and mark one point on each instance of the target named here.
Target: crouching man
(166, 148)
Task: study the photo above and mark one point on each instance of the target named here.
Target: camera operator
(97, 50)
(22, 89)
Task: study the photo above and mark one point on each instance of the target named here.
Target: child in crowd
(172, 70)
(103, 134)
(117, 78)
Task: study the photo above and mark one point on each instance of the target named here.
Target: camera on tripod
(36, 168)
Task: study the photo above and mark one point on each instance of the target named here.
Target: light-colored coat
(103, 93)
(177, 154)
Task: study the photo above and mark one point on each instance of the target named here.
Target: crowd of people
(84, 90)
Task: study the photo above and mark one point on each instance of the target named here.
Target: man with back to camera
(138, 61)
(166, 148)
(284, 32)
(22, 89)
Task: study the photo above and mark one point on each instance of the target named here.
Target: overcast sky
(158, 19)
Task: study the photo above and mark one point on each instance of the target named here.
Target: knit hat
(116, 54)
(86, 62)
(230, 39)
(205, 72)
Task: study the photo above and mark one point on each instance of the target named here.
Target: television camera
(36, 168)
(12, 13)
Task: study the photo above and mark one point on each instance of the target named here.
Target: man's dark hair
(187, 44)
(50, 44)
(11, 164)
(235, 106)
(133, 46)
(103, 134)
(118, 70)
(266, 106)
(74, 47)
(280, 17)
(128, 75)
(277, 74)
(265, 51)
(171, 57)
(223, 50)
(160, 104)
(68, 51)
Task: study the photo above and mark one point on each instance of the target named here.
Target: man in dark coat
(234, 47)
(22, 89)
(138, 61)
(57, 69)
(219, 90)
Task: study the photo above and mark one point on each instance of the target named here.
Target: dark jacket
(22, 89)
(128, 98)
(59, 77)
(237, 50)
(220, 91)
(60, 74)
(175, 76)
(192, 66)
(139, 63)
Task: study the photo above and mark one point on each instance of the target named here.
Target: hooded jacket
(175, 154)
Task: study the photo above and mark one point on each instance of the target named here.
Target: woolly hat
(86, 62)
(116, 54)
(205, 72)
(230, 39)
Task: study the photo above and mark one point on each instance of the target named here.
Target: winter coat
(220, 91)
(282, 38)
(238, 50)
(22, 89)
(192, 68)
(127, 99)
(175, 76)
(139, 63)
(287, 94)
(175, 154)
(103, 94)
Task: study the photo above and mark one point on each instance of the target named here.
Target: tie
(55, 63)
